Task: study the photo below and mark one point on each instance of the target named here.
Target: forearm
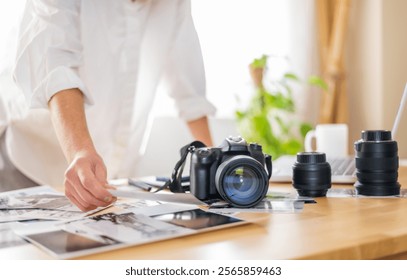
(86, 177)
(69, 120)
(200, 130)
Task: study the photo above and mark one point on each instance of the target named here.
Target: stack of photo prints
(47, 219)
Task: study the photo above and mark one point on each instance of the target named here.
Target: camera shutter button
(236, 138)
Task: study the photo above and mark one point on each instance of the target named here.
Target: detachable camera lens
(376, 164)
(311, 174)
(242, 181)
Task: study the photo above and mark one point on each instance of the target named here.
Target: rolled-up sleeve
(184, 72)
(49, 52)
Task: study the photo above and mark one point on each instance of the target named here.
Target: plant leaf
(318, 82)
(259, 62)
(280, 101)
(240, 115)
(292, 146)
(291, 76)
(304, 128)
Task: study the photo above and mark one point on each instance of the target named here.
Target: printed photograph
(61, 242)
(196, 219)
(126, 227)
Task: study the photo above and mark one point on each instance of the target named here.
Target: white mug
(331, 139)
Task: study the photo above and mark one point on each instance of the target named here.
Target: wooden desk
(334, 228)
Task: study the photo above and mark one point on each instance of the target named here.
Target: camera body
(235, 172)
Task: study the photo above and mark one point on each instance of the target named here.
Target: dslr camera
(236, 172)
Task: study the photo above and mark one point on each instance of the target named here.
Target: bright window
(232, 33)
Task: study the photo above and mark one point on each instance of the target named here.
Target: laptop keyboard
(342, 166)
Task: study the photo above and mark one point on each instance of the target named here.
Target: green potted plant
(269, 118)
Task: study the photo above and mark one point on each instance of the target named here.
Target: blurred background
(321, 61)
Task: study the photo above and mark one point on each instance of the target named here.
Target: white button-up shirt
(115, 52)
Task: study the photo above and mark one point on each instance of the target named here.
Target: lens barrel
(311, 174)
(377, 163)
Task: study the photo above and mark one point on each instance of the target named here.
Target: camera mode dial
(203, 152)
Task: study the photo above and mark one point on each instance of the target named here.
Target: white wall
(377, 66)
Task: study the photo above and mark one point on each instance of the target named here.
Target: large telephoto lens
(311, 174)
(376, 164)
(242, 181)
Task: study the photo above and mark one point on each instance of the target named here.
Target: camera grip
(202, 173)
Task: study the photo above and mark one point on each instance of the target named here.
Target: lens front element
(242, 181)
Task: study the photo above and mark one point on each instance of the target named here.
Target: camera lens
(311, 174)
(376, 164)
(241, 181)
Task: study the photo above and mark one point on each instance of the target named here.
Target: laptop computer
(343, 168)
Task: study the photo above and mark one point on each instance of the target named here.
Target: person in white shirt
(89, 69)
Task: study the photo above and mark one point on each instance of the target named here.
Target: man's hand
(85, 182)
(85, 179)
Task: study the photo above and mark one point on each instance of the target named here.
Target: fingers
(76, 199)
(94, 188)
(84, 199)
(109, 187)
(83, 188)
(101, 173)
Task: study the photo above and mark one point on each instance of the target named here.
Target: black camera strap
(174, 183)
(269, 166)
